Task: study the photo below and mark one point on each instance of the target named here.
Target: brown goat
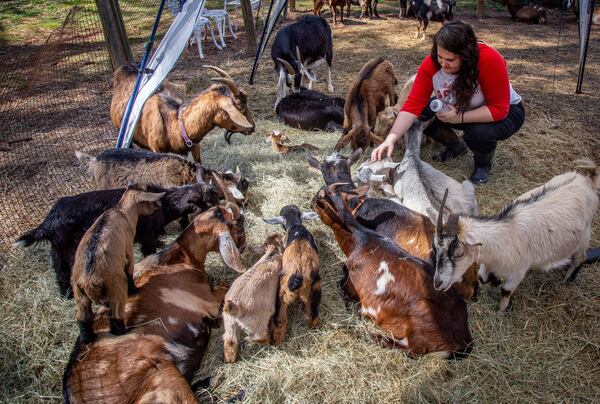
(167, 125)
(127, 369)
(395, 289)
(386, 118)
(104, 261)
(277, 140)
(250, 301)
(531, 13)
(333, 4)
(372, 90)
(300, 279)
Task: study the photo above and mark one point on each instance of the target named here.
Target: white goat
(547, 227)
(416, 184)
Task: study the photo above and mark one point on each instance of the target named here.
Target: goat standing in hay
(395, 289)
(168, 125)
(333, 5)
(300, 277)
(277, 140)
(115, 168)
(311, 110)
(372, 90)
(430, 9)
(250, 301)
(103, 268)
(296, 58)
(547, 227)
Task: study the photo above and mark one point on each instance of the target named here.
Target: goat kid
(71, 216)
(530, 13)
(277, 140)
(296, 58)
(386, 118)
(300, 279)
(394, 288)
(168, 125)
(547, 227)
(103, 267)
(250, 302)
(372, 90)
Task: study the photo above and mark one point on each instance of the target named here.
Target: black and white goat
(431, 9)
(311, 110)
(298, 49)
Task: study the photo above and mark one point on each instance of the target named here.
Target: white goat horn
(287, 66)
(298, 55)
(222, 72)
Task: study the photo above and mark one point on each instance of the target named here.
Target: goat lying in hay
(410, 230)
(277, 140)
(395, 289)
(530, 13)
(558, 217)
(115, 168)
(168, 125)
(372, 90)
(311, 110)
(71, 216)
(103, 267)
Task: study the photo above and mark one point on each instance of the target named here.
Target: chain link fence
(54, 100)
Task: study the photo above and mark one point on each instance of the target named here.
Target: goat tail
(295, 282)
(85, 159)
(31, 237)
(590, 169)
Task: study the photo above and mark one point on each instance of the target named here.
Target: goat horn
(298, 55)
(222, 72)
(440, 221)
(452, 225)
(229, 83)
(287, 66)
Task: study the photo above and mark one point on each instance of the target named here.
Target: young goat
(311, 110)
(168, 125)
(250, 301)
(103, 268)
(71, 216)
(300, 277)
(115, 168)
(277, 140)
(547, 227)
(530, 13)
(418, 185)
(372, 90)
(386, 118)
(394, 288)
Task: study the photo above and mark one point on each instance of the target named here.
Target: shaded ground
(548, 350)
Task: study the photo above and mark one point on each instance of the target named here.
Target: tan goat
(277, 140)
(103, 268)
(250, 301)
(386, 118)
(167, 125)
(372, 90)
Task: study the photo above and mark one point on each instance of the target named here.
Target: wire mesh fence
(54, 99)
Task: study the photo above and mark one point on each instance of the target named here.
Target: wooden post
(249, 25)
(114, 32)
(480, 9)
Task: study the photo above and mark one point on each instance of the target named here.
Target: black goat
(431, 9)
(311, 110)
(71, 216)
(298, 49)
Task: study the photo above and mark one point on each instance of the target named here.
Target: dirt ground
(548, 350)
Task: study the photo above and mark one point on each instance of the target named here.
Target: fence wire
(54, 100)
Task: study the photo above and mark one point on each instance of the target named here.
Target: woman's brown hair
(459, 38)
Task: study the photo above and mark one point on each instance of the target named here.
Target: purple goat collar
(186, 139)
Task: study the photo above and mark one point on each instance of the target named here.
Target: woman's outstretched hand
(386, 148)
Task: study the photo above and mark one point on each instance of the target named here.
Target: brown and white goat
(300, 279)
(126, 369)
(395, 289)
(531, 13)
(372, 90)
(547, 227)
(167, 125)
(250, 301)
(114, 168)
(410, 230)
(386, 118)
(103, 268)
(277, 140)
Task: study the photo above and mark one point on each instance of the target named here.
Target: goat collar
(186, 139)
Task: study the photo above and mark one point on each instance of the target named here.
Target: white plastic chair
(201, 24)
(221, 17)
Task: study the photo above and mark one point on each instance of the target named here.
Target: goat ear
(309, 216)
(230, 252)
(235, 192)
(313, 162)
(275, 220)
(234, 114)
(390, 164)
(354, 156)
(150, 197)
(237, 176)
(469, 239)
(362, 190)
(388, 189)
(377, 178)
